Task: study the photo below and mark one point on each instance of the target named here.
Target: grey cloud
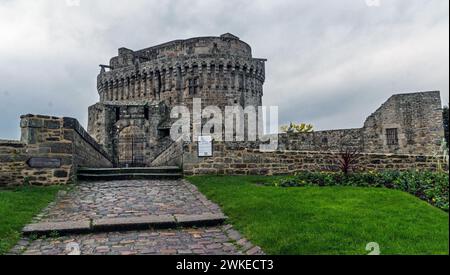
(331, 63)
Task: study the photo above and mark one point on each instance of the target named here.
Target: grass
(328, 220)
(17, 207)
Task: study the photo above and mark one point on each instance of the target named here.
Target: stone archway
(131, 147)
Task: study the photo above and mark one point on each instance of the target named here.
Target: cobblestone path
(125, 199)
(128, 199)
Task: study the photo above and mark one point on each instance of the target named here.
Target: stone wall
(172, 156)
(121, 126)
(232, 161)
(50, 151)
(332, 140)
(86, 151)
(415, 117)
(13, 157)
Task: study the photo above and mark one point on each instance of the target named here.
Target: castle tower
(138, 88)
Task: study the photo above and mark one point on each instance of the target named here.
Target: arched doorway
(131, 149)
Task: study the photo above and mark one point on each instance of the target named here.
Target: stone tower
(138, 89)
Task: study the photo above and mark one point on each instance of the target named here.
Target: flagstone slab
(48, 228)
(134, 223)
(200, 220)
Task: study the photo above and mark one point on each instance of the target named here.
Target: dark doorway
(131, 147)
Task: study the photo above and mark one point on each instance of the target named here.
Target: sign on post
(205, 146)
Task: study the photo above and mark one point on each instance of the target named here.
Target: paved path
(134, 199)
(125, 199)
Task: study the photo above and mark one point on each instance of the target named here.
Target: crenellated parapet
(180, 70)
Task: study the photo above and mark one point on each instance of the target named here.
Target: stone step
(123, 224)
(140, 170)
(129, 176)
(150, 173)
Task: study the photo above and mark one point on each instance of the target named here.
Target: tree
(297, 128)
(446, 126)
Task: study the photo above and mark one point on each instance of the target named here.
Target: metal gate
(131, 149)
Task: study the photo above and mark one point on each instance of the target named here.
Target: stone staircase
(147, 173)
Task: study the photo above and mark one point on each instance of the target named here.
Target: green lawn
(328, 220)
(17, 208)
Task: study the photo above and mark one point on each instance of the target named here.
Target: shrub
(429, 186)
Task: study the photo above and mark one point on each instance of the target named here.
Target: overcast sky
(330, 62)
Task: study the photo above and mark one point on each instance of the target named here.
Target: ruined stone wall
(228, 161)
(50, 151)
(417, 118)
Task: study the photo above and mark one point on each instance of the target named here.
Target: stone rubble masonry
(49, 138)
(243, 161)
(416, 116)
(418, 119)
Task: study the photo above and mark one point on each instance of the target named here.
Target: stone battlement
(221, 70)
(226, 44)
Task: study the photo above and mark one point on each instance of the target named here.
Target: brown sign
(44, 163)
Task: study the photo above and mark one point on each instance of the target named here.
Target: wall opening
(392, 136)
(117, 113)
(146, 113)
(131, 147)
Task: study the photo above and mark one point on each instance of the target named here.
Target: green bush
(429, 186)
